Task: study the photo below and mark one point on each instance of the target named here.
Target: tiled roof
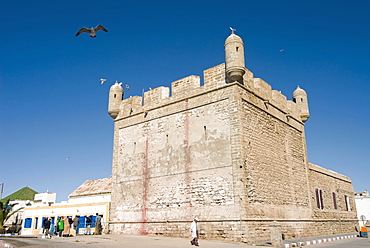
(24, 193)
(93, 187)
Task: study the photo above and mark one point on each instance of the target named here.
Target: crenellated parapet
(213, 78)
(157, 95)
(219, 76)
(185, 86)
(130, 105)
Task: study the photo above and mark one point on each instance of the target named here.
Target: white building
(362, 200)
(93, 196)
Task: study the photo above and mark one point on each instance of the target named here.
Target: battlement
(214, 77)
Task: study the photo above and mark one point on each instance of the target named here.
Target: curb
(317, 241)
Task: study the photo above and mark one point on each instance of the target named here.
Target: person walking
(88, 225)
(43, 225)
(76, 222)
(97, 224)
(47, 224)
(67, 226)
(60, 226)
(194, 232)
(52, 226)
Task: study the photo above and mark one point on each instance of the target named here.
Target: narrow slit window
(319, 200)
(335, 201)
(348, 206)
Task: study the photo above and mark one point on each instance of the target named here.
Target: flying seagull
(102, 80)
(92, 31)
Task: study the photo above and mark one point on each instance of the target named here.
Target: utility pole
(2, 190)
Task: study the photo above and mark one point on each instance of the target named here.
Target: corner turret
(234, 53)
(115, 99)
(300, 98)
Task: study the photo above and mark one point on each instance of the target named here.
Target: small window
(319, 200)
(43, 222)
(335, 201)
(348, 206)
(27, 223)
(237, 49)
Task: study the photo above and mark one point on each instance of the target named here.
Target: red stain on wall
(187, 161)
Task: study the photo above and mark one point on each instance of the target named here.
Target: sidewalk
(311, 240)
(132, 241)
(116, 241)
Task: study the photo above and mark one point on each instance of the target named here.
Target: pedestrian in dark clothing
(88, 225)
(47, 225)
(43, 224)
(70, 221)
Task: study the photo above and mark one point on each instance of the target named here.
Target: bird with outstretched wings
(92, 31)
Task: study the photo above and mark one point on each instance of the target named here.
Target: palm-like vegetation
(6, 211)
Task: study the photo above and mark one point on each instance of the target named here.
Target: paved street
(131, 241)
(114, 241)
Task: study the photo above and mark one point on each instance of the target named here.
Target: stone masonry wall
(330, 182)
(275, 167)
(174, 164)
(233, 155)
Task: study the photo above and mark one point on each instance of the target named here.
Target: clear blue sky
(53, 106)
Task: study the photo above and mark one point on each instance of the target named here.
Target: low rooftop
(93, 187)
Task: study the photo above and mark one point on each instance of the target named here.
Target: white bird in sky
(92, 31)
(102, 80)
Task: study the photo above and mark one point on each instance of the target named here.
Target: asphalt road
(131, 241)
(113, 241)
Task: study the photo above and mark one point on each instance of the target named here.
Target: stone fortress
(231, 152)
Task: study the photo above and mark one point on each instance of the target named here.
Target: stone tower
(115, 99)
(230, 151)
(300, 98)
(234, 53)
